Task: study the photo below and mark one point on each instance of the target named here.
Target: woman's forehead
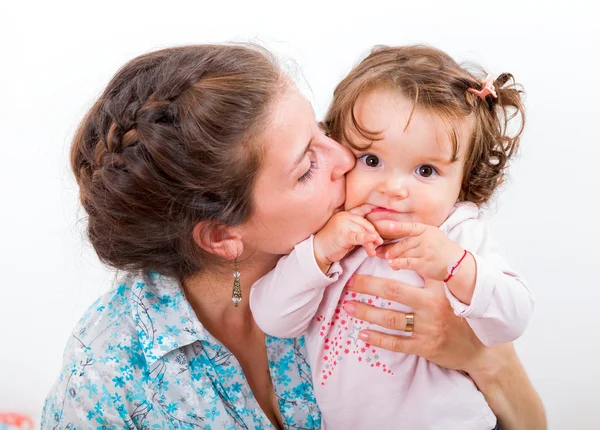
(290, 130)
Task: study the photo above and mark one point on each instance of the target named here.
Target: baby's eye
(370, 160)
(426, 170)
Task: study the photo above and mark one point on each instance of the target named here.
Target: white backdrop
(57, 56)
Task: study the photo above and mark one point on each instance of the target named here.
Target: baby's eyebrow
(438, 159)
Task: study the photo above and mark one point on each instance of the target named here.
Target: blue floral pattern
(139, 358)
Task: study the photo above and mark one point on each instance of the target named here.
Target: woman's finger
(388, 289)
(407, 345)
(388, 318)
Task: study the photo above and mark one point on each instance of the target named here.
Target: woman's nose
(394, 186)
(343, 160)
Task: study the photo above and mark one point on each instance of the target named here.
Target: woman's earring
(236, 296)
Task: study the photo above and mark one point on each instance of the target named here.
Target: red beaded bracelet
(453, 268)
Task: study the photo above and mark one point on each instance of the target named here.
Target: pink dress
(358, 386)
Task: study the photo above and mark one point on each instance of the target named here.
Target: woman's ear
(223, 241)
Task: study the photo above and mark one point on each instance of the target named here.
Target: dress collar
(163, 317)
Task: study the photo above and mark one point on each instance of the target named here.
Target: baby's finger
(397, 230)
(371, 247)
(364, 224)
(362, 210)
(382, 250)
(360, 237)
(410, 228)
(404, 263)
(401, 247)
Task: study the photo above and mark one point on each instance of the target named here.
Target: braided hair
(173, 141)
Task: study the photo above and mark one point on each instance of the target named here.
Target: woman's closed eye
(370, 160)
(426, 171)
(309, 173)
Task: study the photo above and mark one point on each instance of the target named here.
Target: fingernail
(350, 281)
(363, 336)
(390, 262)
(350, 308)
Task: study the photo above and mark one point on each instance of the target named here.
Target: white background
(56, 57)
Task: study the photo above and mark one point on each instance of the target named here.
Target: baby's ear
(223, 241)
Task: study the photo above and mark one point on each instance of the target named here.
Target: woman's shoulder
(136, 299)
(142, 309)
(109, 310)
(114, 345)
(91, 347)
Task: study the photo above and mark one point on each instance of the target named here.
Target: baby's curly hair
(433, 80)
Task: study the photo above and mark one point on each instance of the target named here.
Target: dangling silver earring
(236, 296)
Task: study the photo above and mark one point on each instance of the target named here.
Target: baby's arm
(502, 303)
(495, 300)
(284, 301)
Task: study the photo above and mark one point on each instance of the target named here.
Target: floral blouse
(139, 358)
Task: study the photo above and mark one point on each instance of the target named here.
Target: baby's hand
(342, 233)
(426, 250)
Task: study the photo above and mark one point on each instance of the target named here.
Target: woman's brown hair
(169, 143)
(433, 80)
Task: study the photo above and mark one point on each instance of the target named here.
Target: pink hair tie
(488, 89)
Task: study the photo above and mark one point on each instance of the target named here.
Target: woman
(198, 167)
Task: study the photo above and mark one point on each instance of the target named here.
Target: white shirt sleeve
(502, 302)
(284, 301)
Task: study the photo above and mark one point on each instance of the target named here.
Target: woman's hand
(447, 340)
(438, 335)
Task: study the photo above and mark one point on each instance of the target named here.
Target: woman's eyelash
(309, 173)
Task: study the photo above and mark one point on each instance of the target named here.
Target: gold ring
(410, 322)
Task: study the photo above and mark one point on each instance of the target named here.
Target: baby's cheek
(435, 210)
(357, 190)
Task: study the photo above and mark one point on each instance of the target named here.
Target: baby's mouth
(381, 213)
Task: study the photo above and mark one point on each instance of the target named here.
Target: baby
(432, 145)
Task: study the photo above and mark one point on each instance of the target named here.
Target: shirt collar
(163, 317)
(461, 212)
